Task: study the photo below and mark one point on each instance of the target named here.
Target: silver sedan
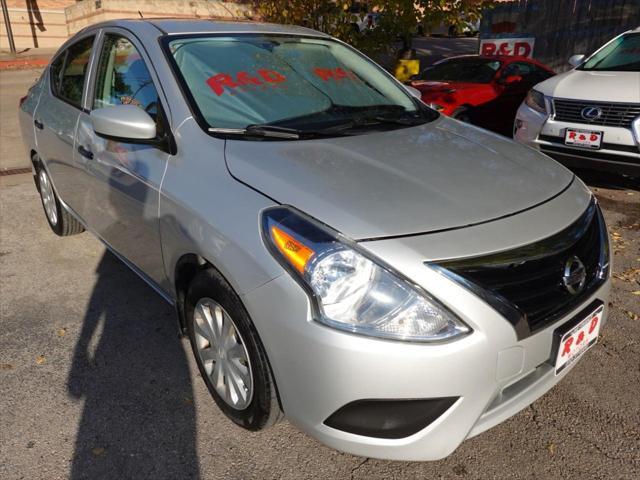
(391, 280)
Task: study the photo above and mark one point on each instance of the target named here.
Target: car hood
(437, 176)
(595, 86)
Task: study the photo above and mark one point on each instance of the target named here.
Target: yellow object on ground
(405, 69)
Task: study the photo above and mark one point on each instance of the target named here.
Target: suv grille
(613, 114)
(526, 285)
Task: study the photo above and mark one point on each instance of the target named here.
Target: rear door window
(56, 70)
(69, 76)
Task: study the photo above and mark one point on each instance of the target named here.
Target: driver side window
(123, 77)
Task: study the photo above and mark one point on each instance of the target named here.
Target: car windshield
(473, 70)
(621, 55)
(252, 80)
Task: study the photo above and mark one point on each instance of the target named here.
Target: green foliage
(340, 19)
(398, 20)
(451, 12)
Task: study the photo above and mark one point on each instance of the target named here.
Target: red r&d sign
(521, 47)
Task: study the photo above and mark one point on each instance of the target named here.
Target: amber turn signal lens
(294, 251)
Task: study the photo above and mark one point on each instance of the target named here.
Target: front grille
(526, 284)
(613, 114)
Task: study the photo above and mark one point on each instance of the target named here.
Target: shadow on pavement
(131, 371)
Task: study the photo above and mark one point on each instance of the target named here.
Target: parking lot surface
(95, 382)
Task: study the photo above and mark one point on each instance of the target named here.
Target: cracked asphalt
(95, 383)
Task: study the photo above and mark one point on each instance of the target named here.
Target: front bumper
(319, 370)
(620, 153)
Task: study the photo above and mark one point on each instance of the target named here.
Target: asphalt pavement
(13, 86)
(95, 383)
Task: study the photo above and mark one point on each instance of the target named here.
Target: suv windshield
(621, 55)
(473, 70)
(288, 84)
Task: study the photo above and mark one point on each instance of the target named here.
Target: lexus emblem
(591, 113)
(575, 275)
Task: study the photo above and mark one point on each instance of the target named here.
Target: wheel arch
(35, 162)
(185, 270)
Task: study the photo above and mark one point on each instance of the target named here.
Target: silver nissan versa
(391, 280)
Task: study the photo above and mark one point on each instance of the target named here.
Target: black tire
(64, 224)
(264, 408)
(462, 114)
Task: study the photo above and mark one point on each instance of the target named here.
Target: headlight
(535, 100)
(349, 289)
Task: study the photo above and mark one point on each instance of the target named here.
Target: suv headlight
(535, 100)
(349, 289)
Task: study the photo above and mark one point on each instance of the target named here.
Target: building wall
(48, 23)
(36, 23)
(87, 12)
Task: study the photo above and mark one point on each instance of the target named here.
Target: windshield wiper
(275, 131)
(373, 121)
(257, 130)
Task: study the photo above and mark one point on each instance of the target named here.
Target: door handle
(85, 152)
(39, 125)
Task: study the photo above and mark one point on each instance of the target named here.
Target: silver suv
(391, 280)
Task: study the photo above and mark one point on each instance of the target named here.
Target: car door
(125, 177)
(56, 118)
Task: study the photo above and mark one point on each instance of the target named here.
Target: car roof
(178, 26)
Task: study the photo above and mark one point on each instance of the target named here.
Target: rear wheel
(60, 220)
(229, 353)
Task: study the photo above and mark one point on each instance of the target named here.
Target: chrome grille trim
(613, 114)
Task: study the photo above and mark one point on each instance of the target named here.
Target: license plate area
(591, 139)
(576, 336)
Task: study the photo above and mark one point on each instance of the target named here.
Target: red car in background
(482, 90)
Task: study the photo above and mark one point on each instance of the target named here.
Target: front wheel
(229, 353)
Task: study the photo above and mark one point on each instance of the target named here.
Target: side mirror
(414, 92)
(124, 123)
(511, 79)
(576, 60)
